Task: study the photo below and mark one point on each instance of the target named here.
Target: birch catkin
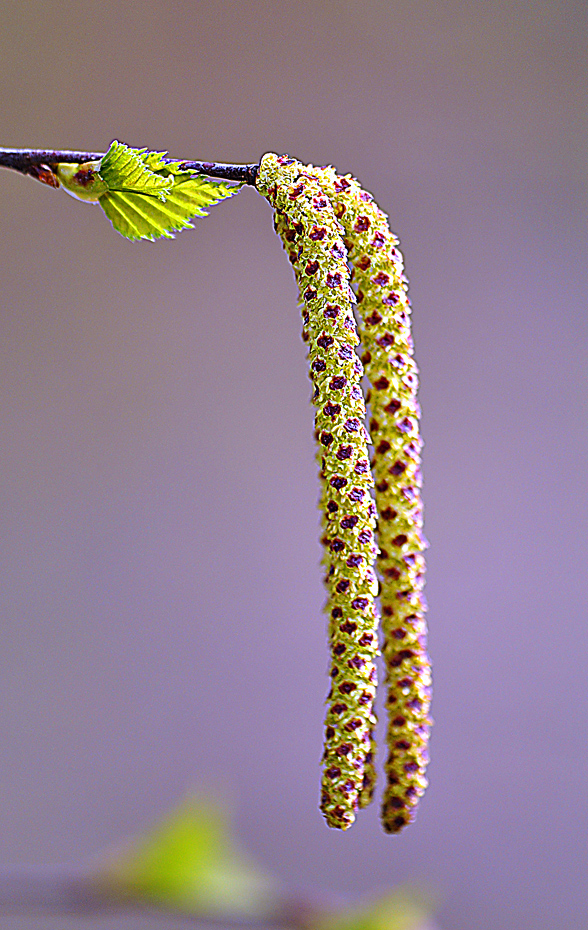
(312, 237)
(384, 326)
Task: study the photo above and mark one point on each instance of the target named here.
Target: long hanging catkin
(284, 230)
(312, 237)
(384, 327)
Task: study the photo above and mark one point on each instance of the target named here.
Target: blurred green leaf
(400, 910)
(190, 863)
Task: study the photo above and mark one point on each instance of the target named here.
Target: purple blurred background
(161, 594)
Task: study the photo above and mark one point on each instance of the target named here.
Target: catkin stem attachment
(311, 235)
(383, 310)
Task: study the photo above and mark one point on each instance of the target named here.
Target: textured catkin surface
(387, 353)
(284, 229)
(312, 237)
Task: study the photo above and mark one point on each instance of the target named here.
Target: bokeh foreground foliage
(192, 863)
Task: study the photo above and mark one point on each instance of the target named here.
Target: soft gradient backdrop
(161, 592)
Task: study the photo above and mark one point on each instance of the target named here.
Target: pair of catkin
(326, 221)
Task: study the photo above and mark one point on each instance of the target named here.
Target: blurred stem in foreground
(189, 866)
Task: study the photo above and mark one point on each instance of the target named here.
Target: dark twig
(24, 159)
(245, 173)
(30, 161)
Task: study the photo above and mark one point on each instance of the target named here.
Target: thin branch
(33, 161)
(245, 173)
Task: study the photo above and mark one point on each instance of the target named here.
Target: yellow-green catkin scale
(366, 793)
(312, 237)
(384, 326)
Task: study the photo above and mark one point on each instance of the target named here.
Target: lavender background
(161, 594)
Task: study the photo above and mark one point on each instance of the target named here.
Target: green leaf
(157, 162)
(143, 195)
(190, 863)
(400, 910)
(123, 169)
(139, 216)
(150, 198)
